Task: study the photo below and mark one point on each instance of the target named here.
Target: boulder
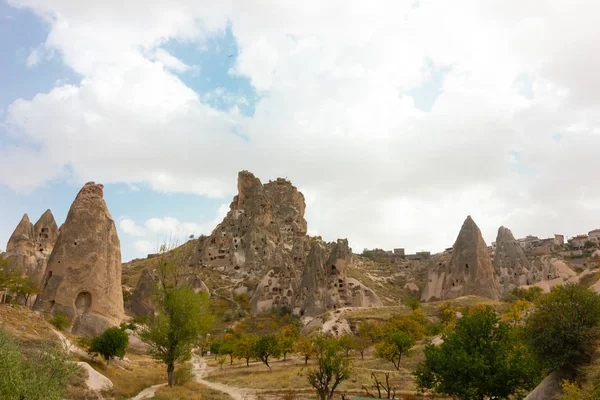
(95, 380)
(468, 271)
(83, 276)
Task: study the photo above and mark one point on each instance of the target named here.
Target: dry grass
(130, 378)
(291, 374)
(77, 388)
(190, 391)
(30, 328)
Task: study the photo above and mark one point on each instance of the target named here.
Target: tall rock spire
(469, 270)
(22, 233)
(511, 265)
(83, 276)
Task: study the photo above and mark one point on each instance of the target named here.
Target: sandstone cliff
(83, 276)
(467, 271)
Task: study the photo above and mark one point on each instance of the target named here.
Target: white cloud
(334, 114)
(144, 247)
(129, 226)
(172, 62)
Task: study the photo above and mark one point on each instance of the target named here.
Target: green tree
(562, 330)
(306, 348)
(346, 343)
(244, 347)
(369, 329)
(182, 315)
(215, 348)
(112, 343)
(361, 344)
(395, 345)
(481, 358)
(35, 374)
(413, 303)
(228, 346)
(332, 367)
(267, 346)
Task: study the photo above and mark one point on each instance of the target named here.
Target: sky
(396, 119)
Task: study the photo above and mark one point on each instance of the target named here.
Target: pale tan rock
(29, 247)
(95, 380)
(510, 263)
(324, 285)
(83, 276)
(469, 270)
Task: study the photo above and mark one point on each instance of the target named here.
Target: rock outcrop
(324, 284)
(262, 244)
(30, 245)
(141, 300)
(468, 271)
(511, 265)
(83, 276)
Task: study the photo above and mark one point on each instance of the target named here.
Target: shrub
(60, 321)
(112, 343)
(39, 374)
(183, 374)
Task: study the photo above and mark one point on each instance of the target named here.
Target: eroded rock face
(141, 300)
(262, 244)
(83, 276)
(511, 265)
(468, 270)
(325, 286)
(29, 247)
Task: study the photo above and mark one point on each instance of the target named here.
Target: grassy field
(190, 391)
(130, 378)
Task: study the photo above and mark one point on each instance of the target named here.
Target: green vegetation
(482, 357)
(563, 328)
(112, 343)
(395, 345)
(530, 294)
(333, 367)
(267, 346)
(60, 321)
(182, 317)
(35, 374)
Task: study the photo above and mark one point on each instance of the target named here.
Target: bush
(183, 374)
(60, 321)
(39, 374)
(112, 343)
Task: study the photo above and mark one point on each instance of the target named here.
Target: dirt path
(148, 392)
(200, 371)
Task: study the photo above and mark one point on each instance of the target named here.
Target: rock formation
(514, 269)
(30, 245)
(262, 243)
(324, 283)
(141, 300)
(511, 265)
(468, 271)
(83, 276)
